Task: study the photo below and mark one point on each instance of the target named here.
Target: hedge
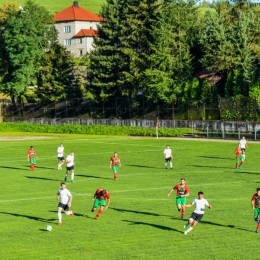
(92, 129)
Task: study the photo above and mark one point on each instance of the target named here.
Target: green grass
(142, 222)
(57, 6)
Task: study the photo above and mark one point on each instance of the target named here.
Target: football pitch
(141, 222)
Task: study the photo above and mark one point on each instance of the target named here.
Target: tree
(57, 79)
(171, 69)
(227, 41)
(106, 60)
(24, 38)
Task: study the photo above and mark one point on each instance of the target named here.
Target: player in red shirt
(182, 192)
(255, 203)
(32, 157)
(100, 198)
(238, 155)
(114, 163)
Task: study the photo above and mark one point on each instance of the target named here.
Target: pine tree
(171, 70)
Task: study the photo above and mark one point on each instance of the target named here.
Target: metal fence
(238, 109)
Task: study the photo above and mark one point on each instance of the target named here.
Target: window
(80, 52)
(91, 27)
(80, 40)
(67, 29)
(67, 42)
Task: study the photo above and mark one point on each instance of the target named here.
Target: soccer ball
(49, 228)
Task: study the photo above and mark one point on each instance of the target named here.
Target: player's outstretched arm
(108, 203)
(169, 194)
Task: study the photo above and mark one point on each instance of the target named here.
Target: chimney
(75, 4)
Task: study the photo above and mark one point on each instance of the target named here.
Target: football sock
(99, 213)
(189, 229)
(59, 217)
(65, 179)
(72, 177)
(182, 213)
(171, 164)
(69, 212)
(165, 165)
(258, 226)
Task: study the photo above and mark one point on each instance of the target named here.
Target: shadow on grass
(40, 167)
(227, 226)
(13, 168)
(216, 157)
(42, 178)
(43, 230)
(95, 177)
(29, 217)
(209, 166)
(141, 166)
(152, 225)
(241, 171)
(139, 212)
(75, 214)
(217, 224)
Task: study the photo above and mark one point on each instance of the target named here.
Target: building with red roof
(76, 28)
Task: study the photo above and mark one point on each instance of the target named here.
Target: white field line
(122, 191)
(55, 156)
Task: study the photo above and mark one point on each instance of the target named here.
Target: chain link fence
(225, 109)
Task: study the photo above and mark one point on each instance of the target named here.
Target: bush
(91, 129)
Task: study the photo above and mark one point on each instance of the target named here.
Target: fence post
(207, 132)
(238, 132)
(255, 133)
(223, 133)
(192, 128)
(116, 108)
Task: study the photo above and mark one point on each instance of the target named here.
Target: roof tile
(76, 13)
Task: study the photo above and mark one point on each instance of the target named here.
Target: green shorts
(98, 202)
(115, 168)
(32, 160)
(256, 212)
(180, 200)
(238, 159)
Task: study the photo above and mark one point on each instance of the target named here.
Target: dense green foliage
(157, 49)
(154, 49)
(24, 37)
(91, 129)
(31, 55)
(141, 222)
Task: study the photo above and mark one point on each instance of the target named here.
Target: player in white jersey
(243, 145)
(65, 198)
(168, 156)
(70, 167)
(200, 203)
(60, 152)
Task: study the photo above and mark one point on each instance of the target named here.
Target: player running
(65, 198)
(99, 199)
(255, 203)
(238, 156)
(200, 203)
(182, 192)
(60, 153)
